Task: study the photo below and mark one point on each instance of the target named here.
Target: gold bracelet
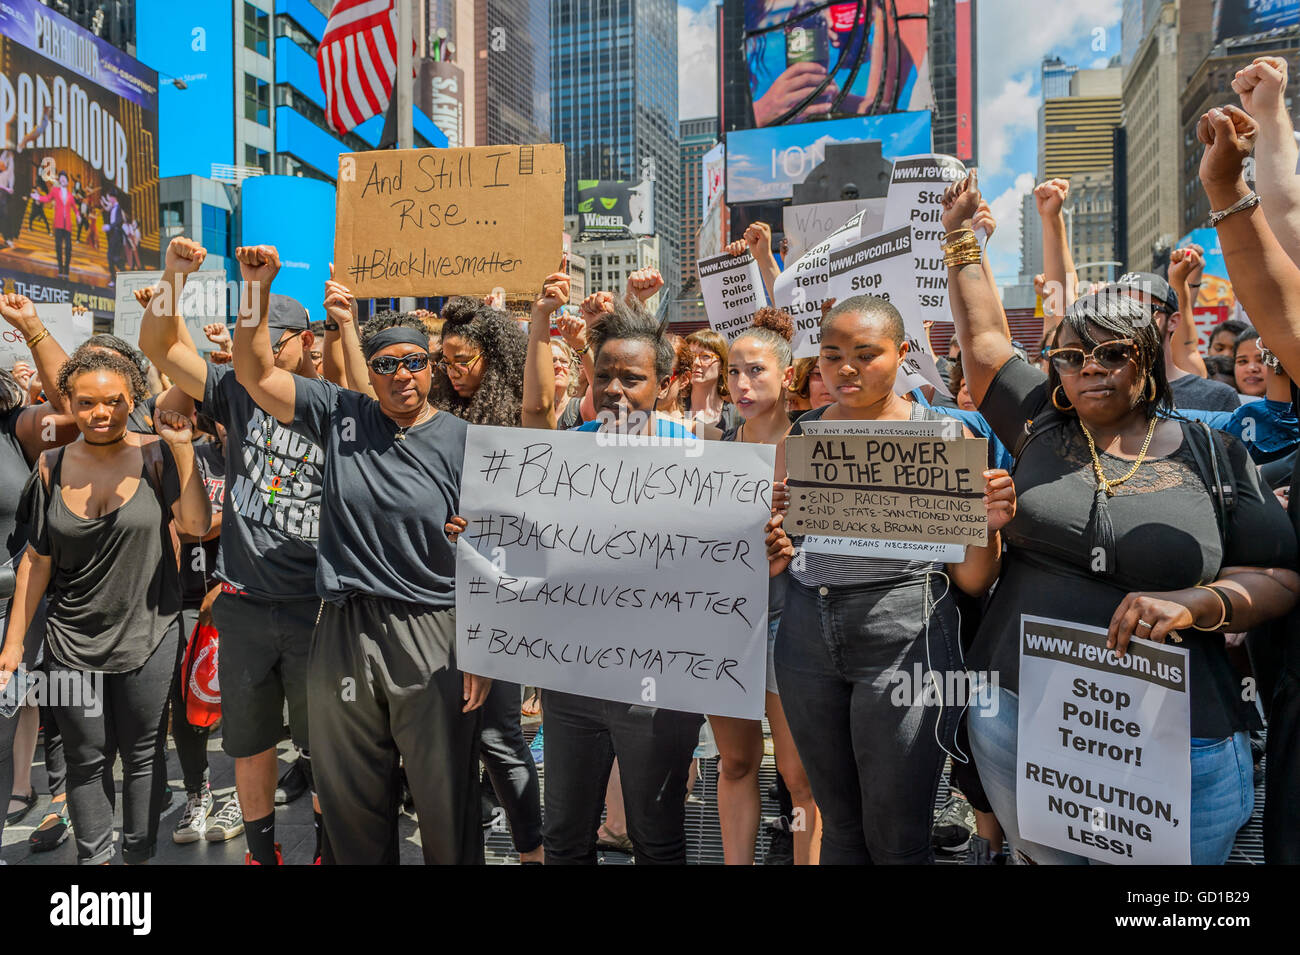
(1226, 607)
(960, 245)
(969, 232)
(40, 336)
(956, 260)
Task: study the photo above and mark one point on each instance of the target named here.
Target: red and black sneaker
(279, 859)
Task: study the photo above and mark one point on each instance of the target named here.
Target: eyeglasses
(275, 349)
(1109, 355)
(388, 365)
(460, 367)
(707, 358)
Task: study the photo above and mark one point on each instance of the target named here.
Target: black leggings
(510, 765)
(191, 741)
(129, 713)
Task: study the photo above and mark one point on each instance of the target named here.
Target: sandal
(18, 815)
(607, 840)
(532, 706)
(48, 839)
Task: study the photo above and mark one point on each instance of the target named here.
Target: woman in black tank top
(855, 630)
(101, 543)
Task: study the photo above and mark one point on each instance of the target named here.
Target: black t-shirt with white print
(271, 510)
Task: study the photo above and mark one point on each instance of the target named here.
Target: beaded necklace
(279, 482)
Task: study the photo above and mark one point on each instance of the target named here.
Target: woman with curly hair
(708, 400)
(101, 543)
(481, 379)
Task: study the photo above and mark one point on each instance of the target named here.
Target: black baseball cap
(287, 314)
(1152, 285)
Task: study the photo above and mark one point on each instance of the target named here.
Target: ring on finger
(1143, 623)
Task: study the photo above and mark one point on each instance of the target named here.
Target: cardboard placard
(888, 487)
(1103, 753)
(449, 221)
(732, 288)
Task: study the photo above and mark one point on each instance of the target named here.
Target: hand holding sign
(961, 201)
(984, 220)
(780, 550)
(340, 303)
(999, 498)
(1155, 616)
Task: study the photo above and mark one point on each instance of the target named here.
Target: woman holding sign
(1137, 522)
(853, 625)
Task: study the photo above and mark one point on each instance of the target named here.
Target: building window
(286, 26)
(257, 30)
(257, 100)
(259, 158)
(216, 230)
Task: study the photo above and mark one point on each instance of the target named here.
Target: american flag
(357, 59)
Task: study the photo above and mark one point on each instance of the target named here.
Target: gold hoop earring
(1151, 386)
(1056, 404)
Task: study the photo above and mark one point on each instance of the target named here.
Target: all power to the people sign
(628, 568)
(1103, 763)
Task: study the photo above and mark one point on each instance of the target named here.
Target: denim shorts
(1223, 793)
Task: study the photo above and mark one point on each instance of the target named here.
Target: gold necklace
(1109, 486)
(422, 417)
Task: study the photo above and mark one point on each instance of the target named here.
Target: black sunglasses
(1109, 355)
(275, 349)
(388, 365)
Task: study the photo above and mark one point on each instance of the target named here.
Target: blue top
(664, 428)
(999, 456)
(1268, 429)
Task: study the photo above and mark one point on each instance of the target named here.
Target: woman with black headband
(382, 677)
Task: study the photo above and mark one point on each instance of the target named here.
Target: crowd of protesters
(297, 490)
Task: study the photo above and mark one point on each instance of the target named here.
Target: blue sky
(1013, 36)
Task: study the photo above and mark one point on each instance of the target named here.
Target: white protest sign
(803, 286)
(622, 568)
(208, 297)
(1104, 746)
(67, 329)
(916, 198)
(732, 288)
(871, 547)
(807, 225)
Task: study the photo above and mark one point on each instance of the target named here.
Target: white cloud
(1003, 117)
(1017, 34)
(1004, 248)
(697, 62)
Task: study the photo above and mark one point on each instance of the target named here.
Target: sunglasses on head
(1109, 355)
(388, 365)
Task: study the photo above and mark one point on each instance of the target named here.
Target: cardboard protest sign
(1103, 760)
(622, 568)
(888, 487)
(804, 285)
(449, 221)
(916, 198)
(732, 287)
(67, 329)
(207, 297)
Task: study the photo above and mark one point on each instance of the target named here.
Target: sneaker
(249, 860)
(538, 748)
(227, 823)
(194, 820)
(954, 827)
(50, 838)
(780, 848)
(291, 785)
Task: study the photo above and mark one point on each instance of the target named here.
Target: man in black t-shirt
(267, 558)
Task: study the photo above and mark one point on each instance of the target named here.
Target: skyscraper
(614, 103)
(514, 79)
(698, 136)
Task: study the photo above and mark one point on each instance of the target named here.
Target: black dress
(1166, 538)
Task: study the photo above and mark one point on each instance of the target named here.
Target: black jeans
(510, 765)
(191, 741)
(870, 751)
(63, 250)
(129, 713)
(654, 749)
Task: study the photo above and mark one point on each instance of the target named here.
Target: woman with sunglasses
(708, 401)
(1116, 522)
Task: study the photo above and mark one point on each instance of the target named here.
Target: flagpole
(402, 90)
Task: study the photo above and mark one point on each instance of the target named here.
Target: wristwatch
(331, 326)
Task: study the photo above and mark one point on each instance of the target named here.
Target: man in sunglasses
(1190, 392)
(266, 560)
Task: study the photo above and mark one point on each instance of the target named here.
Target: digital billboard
(766, 164)
(79, 151)
(808, 60)
(1243, 17)
(296, 215)
(609, 208)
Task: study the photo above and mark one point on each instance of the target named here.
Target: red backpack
(202, 690)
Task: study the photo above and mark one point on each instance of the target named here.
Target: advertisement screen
(606, 207)
(1243, 17)
(305, 239)
(79, 150)
(810, 60)
(766, 164)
